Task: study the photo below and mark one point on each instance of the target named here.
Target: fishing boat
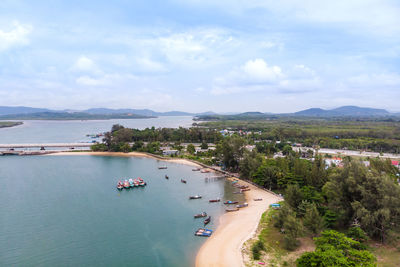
(131, 184)
(162, 167)
(196, 169)
(242, 205)
(228, 202)
(232, 209)
(200, 215)
(207, 221)
(166, 177)
(258, 199)
(195, 197)
(120, 185)
(183, 181)
(203, 232)
(214, 200)
(126, 184)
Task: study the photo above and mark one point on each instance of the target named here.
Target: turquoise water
(44, 131)
(66, 211)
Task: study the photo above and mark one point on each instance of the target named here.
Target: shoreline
(129, 154)
(224, 247)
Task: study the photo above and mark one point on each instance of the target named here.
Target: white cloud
(85, 64)
(148, 65)
(259, 71)
(17, 36)
(106, 80)
(375, 80)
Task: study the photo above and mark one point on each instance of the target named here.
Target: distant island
(71, 116)
(4, 124)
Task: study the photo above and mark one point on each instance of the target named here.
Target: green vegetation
(4, 124)
(363, 202)
(380, 135)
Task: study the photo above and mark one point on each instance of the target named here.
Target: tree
(312, 219)
(292, 228)
(204, 145)
(293, 196)
(190, 149)
(336, 249)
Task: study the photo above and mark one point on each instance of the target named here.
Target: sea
(66, 210)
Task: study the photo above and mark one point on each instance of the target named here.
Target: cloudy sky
(199, 55)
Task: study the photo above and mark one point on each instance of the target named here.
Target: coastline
(129, 154)
(224, 247)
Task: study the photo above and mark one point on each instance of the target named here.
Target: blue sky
(192, 55)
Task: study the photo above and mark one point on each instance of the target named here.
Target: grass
(275, 254)
(9, 124)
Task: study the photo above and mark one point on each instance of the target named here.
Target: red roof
(395, 162)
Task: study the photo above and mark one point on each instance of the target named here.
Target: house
(333, 161)
(170, 152)
(396, 163)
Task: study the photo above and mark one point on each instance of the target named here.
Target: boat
(237, 192)
(258, 199)
(242, 205)
(200, 215)
(214, 200)
(162, 167)
(183, 181)
(131, 184)
(203, 232)
(141, 182)
(232, 209)
(205, 171)
(166, 177)
(246, 189)
(120, 185)
(195, 197)
(228, 202)
(126, 184)
(196, 169)
(207, 221)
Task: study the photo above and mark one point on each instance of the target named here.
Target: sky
(200, 55)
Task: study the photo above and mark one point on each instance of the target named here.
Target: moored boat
(131, 184)
(246, 189)
(258, 199)
(200, 215)
(214, 200)
(183, 181)
(203, 232)
(126, 184)
(232, 209)
(242, 205)
(228, 202)
(166, 177)
(196, 169)
(120, 185)
(207, 221)
(195, 197)
(162, 167)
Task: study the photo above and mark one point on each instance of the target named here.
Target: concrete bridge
(46, 145)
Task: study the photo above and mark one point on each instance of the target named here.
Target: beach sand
(130, 154)
(223, 248)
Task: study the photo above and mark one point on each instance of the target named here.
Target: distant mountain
(70, 116)
(345, 111)
(144, 112)
(20, 110)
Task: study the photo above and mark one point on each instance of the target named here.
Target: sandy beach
(122, 154)
(223, 248)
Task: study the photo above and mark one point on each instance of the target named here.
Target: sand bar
(223, 248)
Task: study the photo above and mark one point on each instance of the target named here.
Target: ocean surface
(66, 211)
(70, 131)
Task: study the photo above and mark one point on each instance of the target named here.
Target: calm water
(43, 131)
(66, 211)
